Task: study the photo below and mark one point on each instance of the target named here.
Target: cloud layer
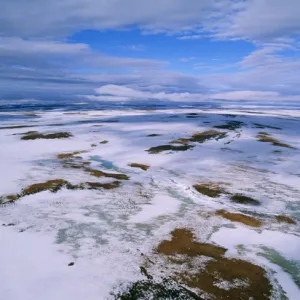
(36, 59)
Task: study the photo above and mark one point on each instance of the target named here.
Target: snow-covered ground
(107, 233)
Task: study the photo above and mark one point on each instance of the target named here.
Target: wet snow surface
(107, 233)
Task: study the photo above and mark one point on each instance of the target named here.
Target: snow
(104, 232)
(159, 206)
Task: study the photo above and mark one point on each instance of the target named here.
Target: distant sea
(6, 106)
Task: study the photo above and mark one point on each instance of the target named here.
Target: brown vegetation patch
(57, 184)
(268, 139)
(242, 199)
(106, 186)
(33, 135)
(76, 165)
(162, 148)
(141, 166)
(56, 125)
(240, 218)
(209, 189)
(201, 137)
(93, 145)
(103, 142)
(98, 173)
(183, 243)
(218, 278)
(12, 197)
(17, 127)
(153, 134)
(244, 280)
(231, 125)
(50, 185)
(285, 219)
(263, 133)
(182, 141)
(70, 155)
(261, 126)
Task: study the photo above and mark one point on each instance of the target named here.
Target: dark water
(132, 105)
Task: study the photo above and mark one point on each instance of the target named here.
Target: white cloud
(112, 92)
(34, 53)
(246, 19)
(18, 45)
(261, 20)
(122, 93)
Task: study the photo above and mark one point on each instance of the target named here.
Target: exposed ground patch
(242, 199)
(141, 166)
(55, 185)
(17, 127)
(225, 278)
(218, 277)
(209, 189)
(162, 148)
(37, 135)
(262, 126)
(268, 139)
(98, 173)
(240, 218)
(183, 243)
(103, 142)
(231, 125)
(148, 289)
(285, 219)
(153, 134)
(201, 137)
(182, 141)
(70, 155)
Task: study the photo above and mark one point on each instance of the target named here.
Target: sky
(174, 50)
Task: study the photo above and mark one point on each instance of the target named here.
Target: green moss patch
(36, 135)
(162, 148)
(242, 199)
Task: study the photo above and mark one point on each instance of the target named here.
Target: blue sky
(122, 50)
